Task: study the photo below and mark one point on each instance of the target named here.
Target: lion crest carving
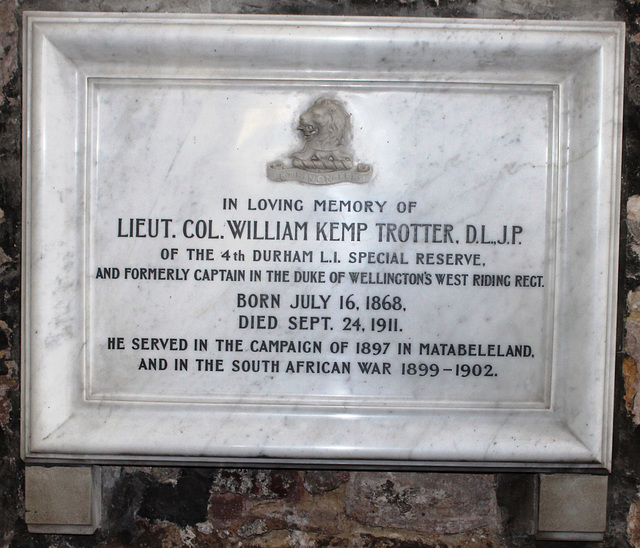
(326, 128)
(326, 157)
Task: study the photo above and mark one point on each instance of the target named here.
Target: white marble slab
(196, 291)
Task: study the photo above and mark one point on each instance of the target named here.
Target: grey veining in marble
(323, 240)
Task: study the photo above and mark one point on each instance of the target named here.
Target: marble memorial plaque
(320, 240)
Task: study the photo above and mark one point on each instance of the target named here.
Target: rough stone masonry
(211, 507)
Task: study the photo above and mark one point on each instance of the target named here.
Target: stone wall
(210, 507)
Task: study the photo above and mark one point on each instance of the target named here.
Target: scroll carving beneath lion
(325, 157)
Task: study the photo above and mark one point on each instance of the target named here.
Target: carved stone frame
(582, 60)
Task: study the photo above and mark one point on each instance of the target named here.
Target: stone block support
(572, 507)
(63, 500)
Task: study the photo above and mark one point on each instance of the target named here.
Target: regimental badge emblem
(326, 156)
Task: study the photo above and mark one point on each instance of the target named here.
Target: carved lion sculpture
(326, 129)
